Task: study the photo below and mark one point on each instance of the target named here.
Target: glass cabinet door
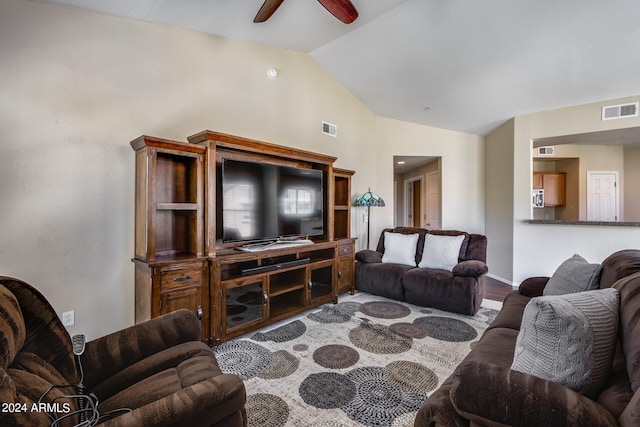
(321, 282)
(244, 304)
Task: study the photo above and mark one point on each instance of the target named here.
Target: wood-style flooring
(496, 290)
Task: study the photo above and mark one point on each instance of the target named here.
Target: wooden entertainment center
(181, 260)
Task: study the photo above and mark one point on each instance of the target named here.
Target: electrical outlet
(68, 318)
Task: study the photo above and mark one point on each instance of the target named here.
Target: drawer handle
(199, 311)
(182, 279)
(339, 274)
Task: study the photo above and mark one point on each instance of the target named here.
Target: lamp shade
(369, 199)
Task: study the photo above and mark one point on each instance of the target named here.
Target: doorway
(602, 196)
(417, 191)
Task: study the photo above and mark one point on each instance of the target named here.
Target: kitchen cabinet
(554, 185)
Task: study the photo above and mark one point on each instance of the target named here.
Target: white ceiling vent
(329, 129)
(620, 111)
(546, 151)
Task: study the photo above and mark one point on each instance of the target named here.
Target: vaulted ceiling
(465, 65)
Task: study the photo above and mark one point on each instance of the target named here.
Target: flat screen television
(262, 201)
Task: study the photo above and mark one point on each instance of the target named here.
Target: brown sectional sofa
(484, 391)
(460, 290)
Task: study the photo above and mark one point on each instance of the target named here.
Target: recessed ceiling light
(401, 162)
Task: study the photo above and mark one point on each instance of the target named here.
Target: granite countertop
(605, 223)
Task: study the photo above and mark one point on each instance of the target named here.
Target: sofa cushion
(573, 275)
(381, 279)
(629, 288)
(441, 252)
(618, 265)
(400, 248)
(165, 382)
(367, 255)
(569, 339)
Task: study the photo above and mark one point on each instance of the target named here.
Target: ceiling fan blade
(267, 9)
(344, 10)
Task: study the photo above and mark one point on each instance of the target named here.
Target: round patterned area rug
(335, 356)
(447, 329)
(377, 401)
(242, 357)
(378, 339)
(385, 309)
(266, 410)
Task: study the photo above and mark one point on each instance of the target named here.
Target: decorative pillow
(400, 248)
(569, 339)
(574, 275)
(441, 251)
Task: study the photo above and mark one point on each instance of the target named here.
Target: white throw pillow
(441, 252)
(400, 248)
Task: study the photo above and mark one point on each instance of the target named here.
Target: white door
(433, 201)
(602, 196)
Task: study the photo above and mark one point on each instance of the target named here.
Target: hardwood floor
(496, 290)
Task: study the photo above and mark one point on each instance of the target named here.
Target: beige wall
(76, 87)
(499, 199)
(631, 197)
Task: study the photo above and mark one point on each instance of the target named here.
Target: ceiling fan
(344, 10)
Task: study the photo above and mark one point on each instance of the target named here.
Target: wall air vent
(620, 111)
(545, 151)
(329, 129)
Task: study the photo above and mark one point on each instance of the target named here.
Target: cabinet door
(188, 298)
(346, 267)
(320, 284)
(244, 304)
(537, 180)
(346, 274)
(554, 189)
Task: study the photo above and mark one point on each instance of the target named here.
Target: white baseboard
(500, 279)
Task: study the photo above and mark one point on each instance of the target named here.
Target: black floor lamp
(369, 199)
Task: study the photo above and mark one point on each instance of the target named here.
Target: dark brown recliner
(158, 370)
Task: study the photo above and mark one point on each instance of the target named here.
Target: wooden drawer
(172, 279)
(345, 249)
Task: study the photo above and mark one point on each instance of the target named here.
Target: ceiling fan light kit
(344, 10)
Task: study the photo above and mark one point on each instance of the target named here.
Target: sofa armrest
(214, 400)
(107, 355)
(471, 268)
(367, 255)
(533, 286)
(493, 395)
